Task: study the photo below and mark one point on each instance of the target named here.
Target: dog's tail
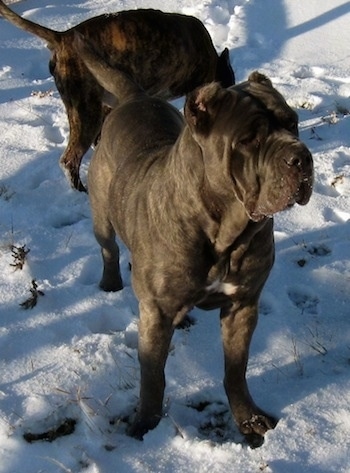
(51, 36)
(115, 81)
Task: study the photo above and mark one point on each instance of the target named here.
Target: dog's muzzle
(301, 176)
(287, 180)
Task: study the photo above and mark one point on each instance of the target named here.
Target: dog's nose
(299, 159)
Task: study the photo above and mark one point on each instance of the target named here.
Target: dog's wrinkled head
(254, 134)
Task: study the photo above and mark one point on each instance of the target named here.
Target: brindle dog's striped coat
(167, 54)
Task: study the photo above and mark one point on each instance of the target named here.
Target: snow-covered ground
(74, 355)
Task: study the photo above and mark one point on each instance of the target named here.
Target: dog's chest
(218, 286)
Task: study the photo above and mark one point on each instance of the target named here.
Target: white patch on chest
(225, 287)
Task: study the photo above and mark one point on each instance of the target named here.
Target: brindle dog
(167, 54)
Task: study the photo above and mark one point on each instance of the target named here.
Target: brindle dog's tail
(51, 36)
(113, 80)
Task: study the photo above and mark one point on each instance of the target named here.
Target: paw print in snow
(303, 300)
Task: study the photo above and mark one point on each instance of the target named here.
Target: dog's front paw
(256, 427)
(139, 427)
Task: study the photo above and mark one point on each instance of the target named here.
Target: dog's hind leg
(104, 232)
(83, 106)
(105, 235)
(85, 121)
(111, 280)
(82, 135)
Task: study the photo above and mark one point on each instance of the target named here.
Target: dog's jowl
(194, 200)
(167, 54)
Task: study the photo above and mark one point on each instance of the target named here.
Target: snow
(74, 355)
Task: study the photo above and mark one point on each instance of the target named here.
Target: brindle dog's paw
(256, 427)
(78, 185)
(72, 175)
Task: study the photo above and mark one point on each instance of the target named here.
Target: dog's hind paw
(111, 284)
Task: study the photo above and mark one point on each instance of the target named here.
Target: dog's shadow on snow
(303, 311)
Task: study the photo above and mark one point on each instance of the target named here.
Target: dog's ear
(201, 107)
(224, 72)
(259, 78)
(273, 101)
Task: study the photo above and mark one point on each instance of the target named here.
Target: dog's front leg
(155, 332)
(237, 326)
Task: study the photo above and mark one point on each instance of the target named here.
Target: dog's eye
(255, 135)
(250, 141)
(293, 128)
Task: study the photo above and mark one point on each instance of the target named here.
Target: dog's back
(149, 115)
(123, 32)
(167, 54)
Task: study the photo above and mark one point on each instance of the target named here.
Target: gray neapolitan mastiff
(193, 201)
(168, 54)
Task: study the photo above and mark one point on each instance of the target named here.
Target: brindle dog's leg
(84, 110)
(237, 326)
(155, 332)
(84, 129)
